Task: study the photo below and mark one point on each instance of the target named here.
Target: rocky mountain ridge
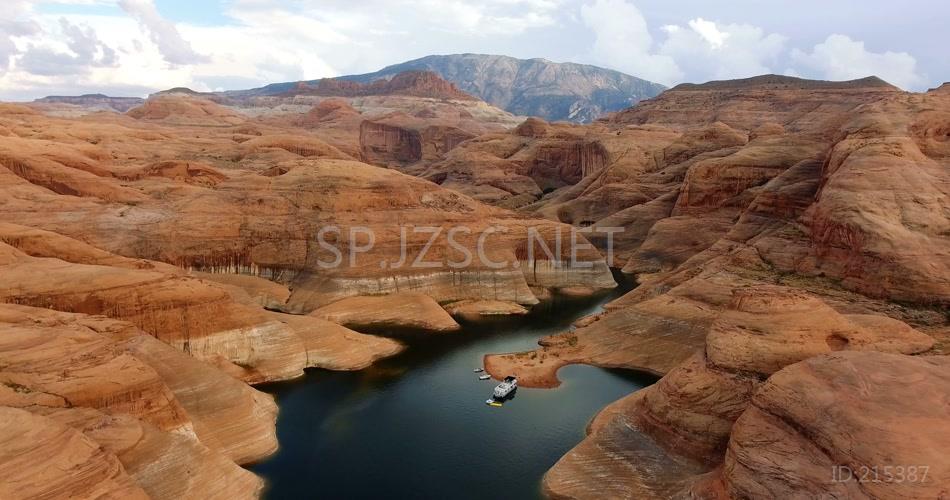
(100, 101)
(532, 87)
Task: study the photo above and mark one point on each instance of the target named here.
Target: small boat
(505, 388)
(484, 377)
(478, 370)
(492, 402)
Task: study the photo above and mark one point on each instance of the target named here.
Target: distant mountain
(783, 82)
(532, 87)
(95, 101)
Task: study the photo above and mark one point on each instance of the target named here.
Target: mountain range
(528, 87)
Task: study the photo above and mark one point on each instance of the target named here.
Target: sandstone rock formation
(836, 192)
(143, 404)
(279, 241)
(399, 139)
(155, 263)
(185, 111)
(738, 192)
(41, 458)
(515, 169)
(400, 311)
(848, 421)
(411, 83)
(472, 310)
(686, 419)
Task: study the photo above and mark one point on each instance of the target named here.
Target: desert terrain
(789, 239)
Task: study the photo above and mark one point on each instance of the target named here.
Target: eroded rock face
(801, 184)
(68, 367)
(176, 426)
(165, 465)
(847, 424)
(400, 311)
(188, 314)
(382, 142)
(281, 213)
(560, 165)
(764, 330)
(41, 458)
(401, 140)
(180, 110)
(685, 421)
(183, 394)
(516, 169)
(473, 310)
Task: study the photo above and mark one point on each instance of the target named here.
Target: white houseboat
(505, 388)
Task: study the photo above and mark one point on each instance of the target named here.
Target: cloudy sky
(133, 47)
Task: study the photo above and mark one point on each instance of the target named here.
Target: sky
(135, 47)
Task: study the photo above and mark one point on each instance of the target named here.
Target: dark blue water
(417, 426)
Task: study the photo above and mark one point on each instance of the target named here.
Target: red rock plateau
(410, 83)
(155, 263)
(774, 225)
(85, 104)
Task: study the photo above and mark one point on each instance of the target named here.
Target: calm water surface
(416, 425)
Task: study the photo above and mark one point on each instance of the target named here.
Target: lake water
(417, 426)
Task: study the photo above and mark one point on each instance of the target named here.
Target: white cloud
(709, 31)
(703, 50)
(841, 58)
(265, 41)
(710, 51)
(700, 51)
(164, 34)
(623, 41)
(50, 61)
(11, 28)
(85, 51)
